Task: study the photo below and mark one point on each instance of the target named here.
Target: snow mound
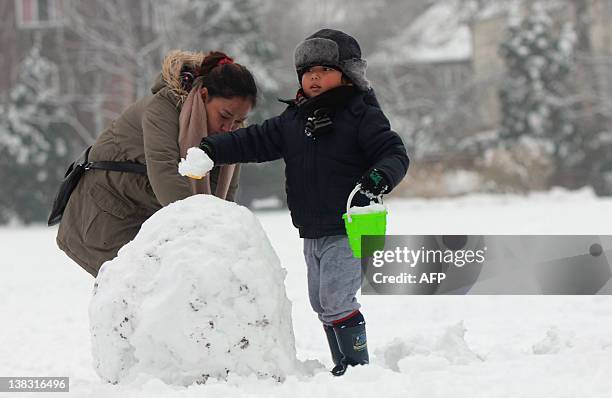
(196, 164)
(454, 348)
(553, 343)
(198, 293)
(417, 353)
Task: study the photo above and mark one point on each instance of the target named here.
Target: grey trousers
(334, 276)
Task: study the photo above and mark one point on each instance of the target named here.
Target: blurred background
(489, 96)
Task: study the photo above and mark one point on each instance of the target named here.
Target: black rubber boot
(333, 344)
(353, 344)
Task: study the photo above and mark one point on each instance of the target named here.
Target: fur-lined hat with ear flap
(333, 48)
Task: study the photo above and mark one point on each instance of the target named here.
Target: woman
(195, 95)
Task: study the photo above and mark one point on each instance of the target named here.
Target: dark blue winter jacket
(320, 171)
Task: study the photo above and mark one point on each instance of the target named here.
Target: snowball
(196, 164)
(198, 293)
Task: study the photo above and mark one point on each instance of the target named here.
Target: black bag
(75, 172)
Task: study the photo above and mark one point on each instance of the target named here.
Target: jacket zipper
(309, 185)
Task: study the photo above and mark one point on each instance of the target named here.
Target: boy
(331, 137)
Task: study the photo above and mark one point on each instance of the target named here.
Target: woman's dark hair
(224, 78)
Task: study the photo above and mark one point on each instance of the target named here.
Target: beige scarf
(192, 125)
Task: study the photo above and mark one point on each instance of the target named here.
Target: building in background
(452, 45)
(425, 67)
(591, 20)
(443, 73)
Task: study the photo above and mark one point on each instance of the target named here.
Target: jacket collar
(332, 99)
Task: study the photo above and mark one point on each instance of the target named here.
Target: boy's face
(319, 79)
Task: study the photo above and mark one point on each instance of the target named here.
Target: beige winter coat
(107, 208)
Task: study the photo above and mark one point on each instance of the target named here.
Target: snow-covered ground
(421, 346)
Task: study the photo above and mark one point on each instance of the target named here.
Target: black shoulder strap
(129, 167)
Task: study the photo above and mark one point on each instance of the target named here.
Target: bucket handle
(350, 200)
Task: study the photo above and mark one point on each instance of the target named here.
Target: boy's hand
(373, 183)
(206, 147)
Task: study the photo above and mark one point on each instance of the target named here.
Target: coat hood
(170, 75)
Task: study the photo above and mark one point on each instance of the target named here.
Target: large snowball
(198, 293)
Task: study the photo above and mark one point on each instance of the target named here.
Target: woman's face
(226, 114)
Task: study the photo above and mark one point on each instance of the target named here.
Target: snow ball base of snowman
(199, 293)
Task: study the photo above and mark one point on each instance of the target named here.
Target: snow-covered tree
(36, 141)
(534, 97)
(128, 40)
(233, 27)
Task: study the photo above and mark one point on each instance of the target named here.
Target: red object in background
(27, 10)
(226, 60)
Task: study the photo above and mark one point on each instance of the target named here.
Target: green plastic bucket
(358, 225)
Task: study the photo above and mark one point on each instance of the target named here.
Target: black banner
(482, 264)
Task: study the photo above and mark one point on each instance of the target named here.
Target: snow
(32, 107)
(270, 202)
(460, 181)
(372, 208)
(196, 164)
(420, 346)
(187, 300)
(437, 35)
(553, 343)
(493, 9)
